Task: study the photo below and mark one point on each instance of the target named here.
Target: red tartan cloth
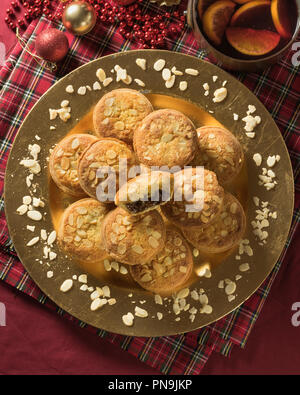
(23, 82)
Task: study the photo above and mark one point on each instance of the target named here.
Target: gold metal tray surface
(202, 111)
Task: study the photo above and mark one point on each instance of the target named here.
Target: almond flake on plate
(159, 64)
(96, 86)
(139, 82)
(140, 312)
(66, 285)
(33, 241)
(128, 319)
(141, 63)
(220, 95)
(107, 81)
(191, 72)
(34, 215)
(70, 89)
(183, 85)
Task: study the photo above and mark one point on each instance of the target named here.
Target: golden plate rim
(141, 329)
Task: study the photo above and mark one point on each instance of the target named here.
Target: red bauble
(52, 45)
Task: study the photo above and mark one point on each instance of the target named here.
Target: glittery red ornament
(52, 45)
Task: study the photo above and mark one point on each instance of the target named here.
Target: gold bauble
(79, 17)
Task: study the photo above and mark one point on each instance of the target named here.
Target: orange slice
(252, 42)
(202, 5)
(281, 18)
(248, 14)
(216, 18)
(242, 1)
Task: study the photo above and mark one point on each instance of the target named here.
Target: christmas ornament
(52, 45)
(166, 2)
(124, 2)
(33, 9)
(79, 17)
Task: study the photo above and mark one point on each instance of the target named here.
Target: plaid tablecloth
(23, 81)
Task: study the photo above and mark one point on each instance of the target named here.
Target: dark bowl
(229, 62)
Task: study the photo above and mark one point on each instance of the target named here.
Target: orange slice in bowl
(242, 1)
(202, 6)
(252, 42)
(248, 14)
(216, 18)
(281, 18)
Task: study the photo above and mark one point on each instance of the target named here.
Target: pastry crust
(201, 198)
(145, 192)
(119, 112)
(79, 231)
(165, 138)
(224, 233)
(220, 152)
(63, 162)
(133, 239)
(169, 270)
(104, 153)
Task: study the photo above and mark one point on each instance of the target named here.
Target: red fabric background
(48, 344)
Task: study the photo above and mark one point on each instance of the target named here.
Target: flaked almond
(66, 285)
(146, 278)
(119, 125)
(33, 241)
(81, 210)
(183, 293)
(22, 209)
(170, 83)
(51, 238)
(34, 215)
(159, 64)
(107, 81)
(82, 278)
(97, 303)
(137, 249)
(230, 288)
(139, 82)
(183, 86)
(140, 312)
(101, 75)
(121, 249)
(166, 74)
(128, 319)
(192, 72)
(153, 242)
(141, 63)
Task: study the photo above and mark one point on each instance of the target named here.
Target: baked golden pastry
(63, 162)
(133, 239)
(79, 232)
(197, 199)
(106, 154)
(169, 270)
(220, 152)
(224, 233)
(165, 138)
(119, 112)
(145, 192)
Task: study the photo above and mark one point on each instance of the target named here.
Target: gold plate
(193, 103)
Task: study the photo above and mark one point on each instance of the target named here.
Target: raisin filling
(139, 205)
